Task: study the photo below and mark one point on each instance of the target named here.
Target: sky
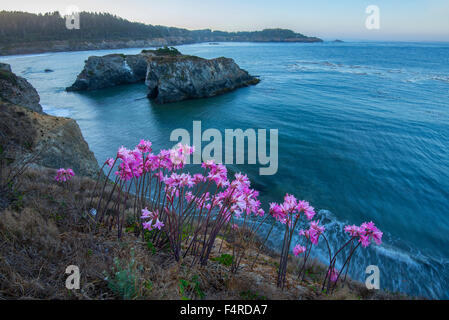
(399, 20)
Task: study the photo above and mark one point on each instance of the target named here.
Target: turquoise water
(363, 135)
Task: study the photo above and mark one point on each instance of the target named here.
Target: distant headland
(25, 33)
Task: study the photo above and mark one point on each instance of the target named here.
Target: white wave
(127, 68)
(54, 111)
(396, 254)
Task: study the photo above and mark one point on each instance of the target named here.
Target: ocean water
(363, 135)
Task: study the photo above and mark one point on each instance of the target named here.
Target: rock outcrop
(28, 133)
(169, 75)
(110, 70)
(17, 90)
(53, 142)
(179, 77)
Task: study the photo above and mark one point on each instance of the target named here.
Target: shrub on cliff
(165, 51)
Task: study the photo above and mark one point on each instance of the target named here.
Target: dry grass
(47, 229)
(41, 234)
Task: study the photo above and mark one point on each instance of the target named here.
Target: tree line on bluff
(17, 27)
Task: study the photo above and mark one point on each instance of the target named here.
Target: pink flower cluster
(282, 212)
(153, 222)
(298, 249)
(365, 233)
(244, 199)
(63, 175)
(216, 173)
(145, 146)
(237, 197)
(134, 163)
(180, 196)
(231, 198)
(313, 233)
(332, 274)
(179, 153)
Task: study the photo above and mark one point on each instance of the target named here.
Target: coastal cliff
(28, 133)
(17, 90)
(55, 141)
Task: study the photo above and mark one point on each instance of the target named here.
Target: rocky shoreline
(169, 75)
(69, 45)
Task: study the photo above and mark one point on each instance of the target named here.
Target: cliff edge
(27, 132)
(17, 90)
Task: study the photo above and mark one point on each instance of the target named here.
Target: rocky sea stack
(177, 77)
(110, 70)
(169, 75)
